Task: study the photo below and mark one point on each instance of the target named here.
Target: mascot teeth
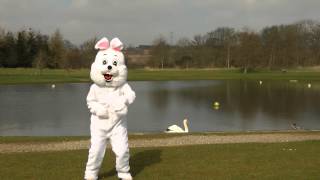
(107, 77)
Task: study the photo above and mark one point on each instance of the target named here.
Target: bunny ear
(116, 44)
(102, 44)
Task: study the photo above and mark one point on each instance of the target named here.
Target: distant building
(138, 57)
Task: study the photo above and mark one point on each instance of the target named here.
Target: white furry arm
(128, 93)
(120, 105)
(94, 106)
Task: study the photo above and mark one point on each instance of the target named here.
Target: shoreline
(49, 76)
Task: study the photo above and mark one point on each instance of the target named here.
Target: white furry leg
(120, 147)
(96, 153)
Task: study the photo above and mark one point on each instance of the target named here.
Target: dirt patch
(163, 142)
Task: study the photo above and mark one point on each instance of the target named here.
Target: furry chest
(107, 96)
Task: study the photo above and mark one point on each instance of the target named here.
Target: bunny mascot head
(109, 68)
(108, 100)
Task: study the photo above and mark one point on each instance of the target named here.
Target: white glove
(102, 112)
(99, 110)
(118, 104)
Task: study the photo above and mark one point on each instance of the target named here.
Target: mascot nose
(109, 67)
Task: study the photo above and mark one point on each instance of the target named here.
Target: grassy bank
(26, 76)
(23, 76)
(294, 160)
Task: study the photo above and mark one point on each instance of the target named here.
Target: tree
(309, 42)
(73, 59)
(40, 60)
(222, 40)
(22, 49)
(183, 53)
(270, 41)
(41, 42)
(249, 50)
(56, 51)
(2, 47)
(199, 52)
(160, 53)
(88, 52)
(9, 52)
(315, 42)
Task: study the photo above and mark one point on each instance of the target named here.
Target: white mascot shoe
(108, 101)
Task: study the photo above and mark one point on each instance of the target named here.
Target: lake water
(40, 110)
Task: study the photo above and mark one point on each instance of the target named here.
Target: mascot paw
(119, 104)
(102, 113)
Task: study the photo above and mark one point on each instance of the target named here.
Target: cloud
(79, 3)
(140, 21)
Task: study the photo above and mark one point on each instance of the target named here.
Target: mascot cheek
(123, 71)
(96, 75)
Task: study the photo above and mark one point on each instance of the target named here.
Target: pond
(40, 110)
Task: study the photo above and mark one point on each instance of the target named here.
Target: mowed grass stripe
(293, 160)
(30, 76)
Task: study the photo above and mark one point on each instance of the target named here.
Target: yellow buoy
(216, 105)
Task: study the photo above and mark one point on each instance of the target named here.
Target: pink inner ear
(103, 45)
(116, 44)
(117, 49)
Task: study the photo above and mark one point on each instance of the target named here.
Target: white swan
(177, 129)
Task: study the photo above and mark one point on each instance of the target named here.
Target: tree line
(28, 48)
(274, 47)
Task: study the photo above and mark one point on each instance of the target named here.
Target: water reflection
(244, 105)
(272, 105)
(41, 110)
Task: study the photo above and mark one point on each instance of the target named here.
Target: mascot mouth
(107, 77)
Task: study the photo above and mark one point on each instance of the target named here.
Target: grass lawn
(23, 75)
(224, 161)
(26, 76)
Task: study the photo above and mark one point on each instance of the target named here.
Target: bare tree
(249, 50)
(160, 53)
(88, 52)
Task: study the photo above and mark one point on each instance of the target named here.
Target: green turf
(224, 161)
(23, 75)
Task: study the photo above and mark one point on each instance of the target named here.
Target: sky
(138, 22)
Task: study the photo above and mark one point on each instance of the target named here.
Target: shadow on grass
(138, 162)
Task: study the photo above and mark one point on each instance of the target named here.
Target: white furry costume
(108, 100)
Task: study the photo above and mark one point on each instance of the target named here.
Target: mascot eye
(115, 63)
(104, 62)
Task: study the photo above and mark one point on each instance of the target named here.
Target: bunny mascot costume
(108, 101)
